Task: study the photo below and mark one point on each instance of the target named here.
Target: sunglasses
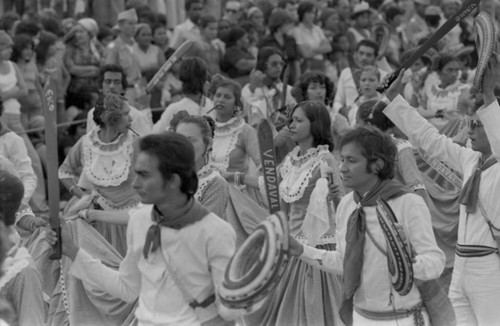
(234, 11)
(473, 124)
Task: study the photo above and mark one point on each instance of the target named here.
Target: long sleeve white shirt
(12, 147)
(198, 253)
(374, 291)
(472, 228)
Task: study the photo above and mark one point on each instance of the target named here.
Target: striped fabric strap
(474, 251)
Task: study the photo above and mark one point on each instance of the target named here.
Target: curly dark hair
(108, 110)
(193, 74)
(372, 112)
(299, 91)
(21, 42)
(374, 145)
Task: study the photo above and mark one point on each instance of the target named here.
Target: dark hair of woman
(320, 123)
(372, 112)
(193, 74)
(47, 39)
(299, 91)
(21, 42)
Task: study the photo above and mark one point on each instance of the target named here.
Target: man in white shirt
(347, 92)
(475, 284)
(263, 95)
(177, 250)
(114, 81)
(367, 167)
(193, 74)
(188, 30)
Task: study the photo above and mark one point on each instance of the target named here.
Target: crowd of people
(390, 197)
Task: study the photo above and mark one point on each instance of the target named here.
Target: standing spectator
(82, 59)
(160, 38)
(238, 62)
(311, 40)
(189, 30)
(290, 6)
(256, 16)
(23, 56)
(210, 49)
(12, 87)
(223, 30)
(452, 40)
(417, 27)
(121, 52)
(232, 12)
(347, 89)
(280, 24)
(150, 58)
(360, 30)
(50, 65)
(394, 16)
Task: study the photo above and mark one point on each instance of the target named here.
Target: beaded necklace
(297, 171)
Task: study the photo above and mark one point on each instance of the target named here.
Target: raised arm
(490, 112)
(421, 133)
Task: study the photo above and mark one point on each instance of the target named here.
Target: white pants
(359, 320)
(475, 290)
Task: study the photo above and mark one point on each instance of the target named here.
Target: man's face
(291, 9)
(194, 12)
(363, 20)
(148, 181)
(127, 27)
(112, 83)
(354, 168)
(477, 135)
(274, 66)
(232, 11)
(365, 56)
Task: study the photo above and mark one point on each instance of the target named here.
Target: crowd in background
(335, 51)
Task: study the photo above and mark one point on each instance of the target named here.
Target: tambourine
(257, 266)
(399, 252)
(485, 45)
(381, 35)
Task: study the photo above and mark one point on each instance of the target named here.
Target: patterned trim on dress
(107, 164)
(296, 172)
(205, 177)
(14, 264)
(401, 143)
(226, 134)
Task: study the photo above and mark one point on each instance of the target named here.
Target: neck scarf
(470, 191)
(355, 240)
(193, 212)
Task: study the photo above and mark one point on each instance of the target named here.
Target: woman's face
(244, 41)
(6, 52)
(27, 53)
(344, 43)
(368, 82)
(316, 92)
(333, 22)
(224, 101)
(210, 31)
(300, 126)
(160, 36)
(258, 18)
(193, 133)
(81, 35)
(52, 50)
(224, 28)
(309, 16)
(449, 73)
(144, 36)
